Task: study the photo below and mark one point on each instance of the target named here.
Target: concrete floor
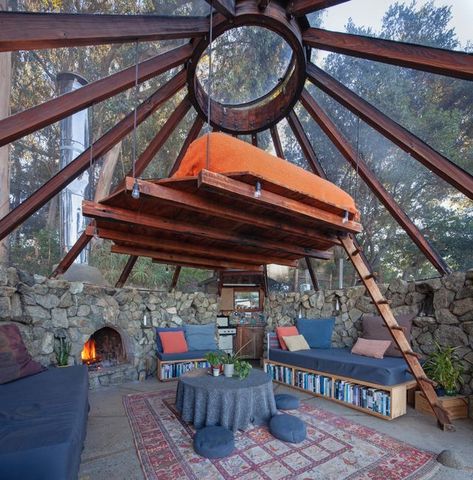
(109, 452)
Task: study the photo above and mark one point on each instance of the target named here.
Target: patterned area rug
(335, 448)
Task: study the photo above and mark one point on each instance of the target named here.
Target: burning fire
(89, 355)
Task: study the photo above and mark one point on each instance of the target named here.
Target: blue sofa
(340, 361)
(43, 420)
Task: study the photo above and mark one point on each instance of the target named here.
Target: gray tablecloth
(233, 403)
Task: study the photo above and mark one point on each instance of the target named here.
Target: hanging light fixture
(345, 217)
(135, 192)
(257, 193)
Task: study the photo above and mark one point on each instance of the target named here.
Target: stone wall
(443, 308)
(45, 308)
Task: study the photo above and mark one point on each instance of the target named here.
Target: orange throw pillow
(173, 342)
(285, 332)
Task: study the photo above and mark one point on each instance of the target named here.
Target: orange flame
(89, 354)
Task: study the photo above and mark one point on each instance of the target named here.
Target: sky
(370, 13)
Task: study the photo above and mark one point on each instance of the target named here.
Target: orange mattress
(230, 155)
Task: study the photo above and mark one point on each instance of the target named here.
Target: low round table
(230, 402)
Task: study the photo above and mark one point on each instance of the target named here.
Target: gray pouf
(288, 428)
(285, 401)
(214, 442)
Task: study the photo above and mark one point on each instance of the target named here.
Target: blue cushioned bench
(43, 420)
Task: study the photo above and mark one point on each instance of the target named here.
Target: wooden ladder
(412, 358)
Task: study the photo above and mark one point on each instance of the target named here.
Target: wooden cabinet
(254, 336)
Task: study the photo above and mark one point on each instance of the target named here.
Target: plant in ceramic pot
(215, 360)
(229, 361)
(445, 367)
(62, 349)
(242, 368)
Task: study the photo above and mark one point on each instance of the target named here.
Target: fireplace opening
(103, 349)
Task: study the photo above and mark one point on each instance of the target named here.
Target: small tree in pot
(215, 360)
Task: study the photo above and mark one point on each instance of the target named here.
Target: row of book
(279, 373)
(314, 383)
(366, 397)
(174, 370)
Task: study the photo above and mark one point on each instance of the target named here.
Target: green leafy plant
(229, 358)
(214, 358)
(242, 368)
(62, 349)
(444, 367)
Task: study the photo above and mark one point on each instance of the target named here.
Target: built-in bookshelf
(173, 370)
(384, 401)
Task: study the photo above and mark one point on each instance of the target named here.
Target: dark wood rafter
(403, 138)
(178, 246)
(396, 331)
(313, 276)
(53, 186)
(74, 252)
(277, 141)
(262, 4)
(114, 214)
(265, 280)
(360, 166)
(434, 60)
(191, 136)
(199, 204)
(305, 144)
(175, 278)
(126, 271)
(301, 7)
(33, 31)
(225, 7)
(254, 139)
(28, 121)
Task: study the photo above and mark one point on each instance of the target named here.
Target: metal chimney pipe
(74, 140)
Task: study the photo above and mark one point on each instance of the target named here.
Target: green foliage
(444, 367)
(214, 358)
(242, 368)
(62, 349)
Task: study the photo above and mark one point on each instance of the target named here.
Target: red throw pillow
(285, 332)
(173, 342)
(15, 360)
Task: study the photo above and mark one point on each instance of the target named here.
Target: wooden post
(312, 274)
(175, 278)
(126, 271)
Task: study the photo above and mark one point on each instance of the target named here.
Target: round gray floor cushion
(285, 401)
(288, 428)
(214, 442)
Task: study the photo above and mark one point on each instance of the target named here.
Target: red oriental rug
(335, 448)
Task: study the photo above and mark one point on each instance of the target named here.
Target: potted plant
(444, 367)
(229, 361)
(242, 368)
(215, 360)
(62, 349)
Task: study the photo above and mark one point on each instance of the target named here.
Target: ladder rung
(396, 327)
(413, 354)
(370, 276)
(382, 302)
(427, 380)
(355, 252)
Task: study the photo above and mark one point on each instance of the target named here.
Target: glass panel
(247, 63)
(247, 300)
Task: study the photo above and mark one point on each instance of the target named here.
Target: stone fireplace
(104, 348)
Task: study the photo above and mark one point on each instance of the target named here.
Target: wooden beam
(53, 186)
(179, 259)
(360, 166)
(277, 142)
(126, 271)
(265, 280)
(74, 252)
(305, 144)
(397, 334)
(402, 137)
(226, 186)
(191, 136)
(28, 121)
(33, 31)
(175, 278)
(301, 7)
(176, 246)
(199, 204)
(113, 214)
(428, 59)
(225, 7)
(312, 274)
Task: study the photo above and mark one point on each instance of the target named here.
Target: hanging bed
(228, 205)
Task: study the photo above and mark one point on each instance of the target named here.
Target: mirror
(245, 300)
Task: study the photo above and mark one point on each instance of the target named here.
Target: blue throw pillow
(200, 337)
(159, 344)
(316, 331)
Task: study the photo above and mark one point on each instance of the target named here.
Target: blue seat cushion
(200, 337)
(214, 442)
(288, 428)
(316, 331)
(159, 344)
(340, 361)
(285, 401)
(182, 356)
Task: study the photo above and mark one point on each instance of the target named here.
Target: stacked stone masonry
(46, 308)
